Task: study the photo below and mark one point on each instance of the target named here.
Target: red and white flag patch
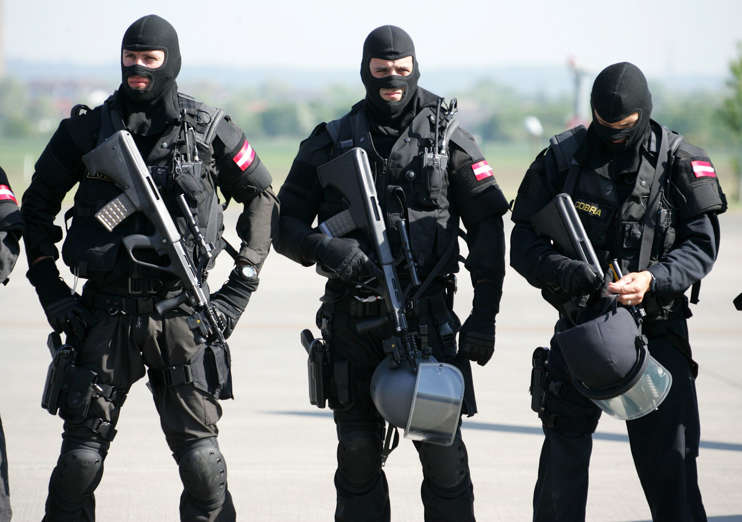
(482, 170)
(245, 156)
(6, 193)
(703, 169)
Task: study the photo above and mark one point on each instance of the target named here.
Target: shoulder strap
(669, 143)
(205, 130)
(110, 120)
(563, 147)
(348, 131)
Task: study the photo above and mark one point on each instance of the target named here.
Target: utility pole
(579, 74)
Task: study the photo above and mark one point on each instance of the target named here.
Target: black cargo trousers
(664, 444)
(5, 511)
(362, 490)
(125, 336)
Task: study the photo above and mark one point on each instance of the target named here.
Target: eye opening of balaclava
(389, 42)
(619, 91)
(151, 32)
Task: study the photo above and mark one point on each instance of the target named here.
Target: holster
(539, 383)
(63, 362)
(319, 370)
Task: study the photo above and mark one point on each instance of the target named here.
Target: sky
(663, 37)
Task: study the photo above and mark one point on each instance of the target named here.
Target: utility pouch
(342, 380)
(79, 392)
(63, 361)
(538, 385)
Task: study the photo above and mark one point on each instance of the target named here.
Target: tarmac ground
(281, 451)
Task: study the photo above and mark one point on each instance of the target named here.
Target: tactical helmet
(608, 360)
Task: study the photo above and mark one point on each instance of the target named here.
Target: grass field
(509, 160)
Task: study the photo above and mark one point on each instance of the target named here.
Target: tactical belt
(139, 286)
(365, 307)
(119, 304)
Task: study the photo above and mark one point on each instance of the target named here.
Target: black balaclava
(619, 90)
(148, 110)
(388, 42)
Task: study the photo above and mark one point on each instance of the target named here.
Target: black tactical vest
(180, 163)
(637, 231)
(433, 225)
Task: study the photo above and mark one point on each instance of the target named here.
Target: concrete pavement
(281, 451)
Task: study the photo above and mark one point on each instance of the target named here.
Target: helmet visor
(643, 397)
(436, 404)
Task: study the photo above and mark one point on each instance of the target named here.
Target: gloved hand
(344, 258)
(9, 251)
(477, 335)
(477, 339)
(63, 309)
(230, 301)
(576, 278)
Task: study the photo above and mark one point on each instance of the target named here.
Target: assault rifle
(350, 174)
(559, 221)
(118, 159)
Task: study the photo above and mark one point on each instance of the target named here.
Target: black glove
(477, 335)
(477, 339)
(230, 301)
(63, 309)
(576, 278)
(344, 258)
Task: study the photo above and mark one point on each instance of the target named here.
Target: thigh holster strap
(101, 427)
(175, 375)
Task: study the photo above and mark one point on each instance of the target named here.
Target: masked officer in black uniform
(190, 149)
(396, 125)
(11, 228)
(650, 200)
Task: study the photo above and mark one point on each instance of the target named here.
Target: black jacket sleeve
(531, 255)
(11, 227)
(692, 257)
(477, 198)
(57, 170)
(245, 178)
(300, 198)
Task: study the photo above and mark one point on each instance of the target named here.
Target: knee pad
(359, 460)
(203, 472)
(78, 472)
(445, 467)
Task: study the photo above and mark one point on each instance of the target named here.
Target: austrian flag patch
(6, 193)
(245, 156)
(703, 169)
(482, 170)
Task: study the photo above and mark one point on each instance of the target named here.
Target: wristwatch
(246, 271)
